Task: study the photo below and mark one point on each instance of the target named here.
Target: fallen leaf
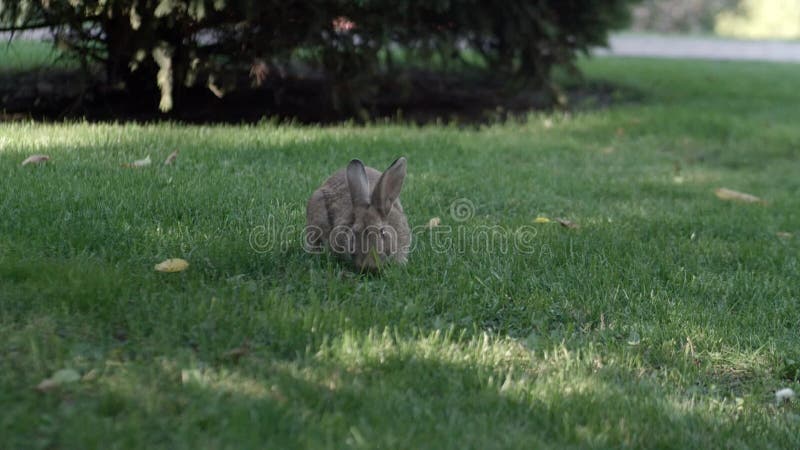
(238, 352)
(728, 194)
(607, 150)
(541, 220)
(783, 235)
(434, 222)
(171, 158)
(35, 159)
(172, 265)
(139, 163)
(620, 131)
(548, 123)
(62, 376)
(46, 385)
(90, 375)
(567, 223)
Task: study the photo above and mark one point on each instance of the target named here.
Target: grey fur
(357, 214)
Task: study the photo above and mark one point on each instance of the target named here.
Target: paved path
(701, 48)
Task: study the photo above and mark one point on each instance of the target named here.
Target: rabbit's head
(372, 237)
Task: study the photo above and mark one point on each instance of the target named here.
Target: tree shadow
(383, 398)
(418, 97)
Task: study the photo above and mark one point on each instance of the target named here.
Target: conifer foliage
(163, 46)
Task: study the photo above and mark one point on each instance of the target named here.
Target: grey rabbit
(357, 214)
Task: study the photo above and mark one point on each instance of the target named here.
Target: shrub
(174, 44)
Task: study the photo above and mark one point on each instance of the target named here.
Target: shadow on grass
(417, 97)
(96, 270)
(376, 393)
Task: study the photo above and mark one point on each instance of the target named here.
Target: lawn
(667, 319)
(25, 55)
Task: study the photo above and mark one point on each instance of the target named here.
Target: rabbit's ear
(357, 183)
(388, 188)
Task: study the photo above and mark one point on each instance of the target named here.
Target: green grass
(21, 55)
(667, 320)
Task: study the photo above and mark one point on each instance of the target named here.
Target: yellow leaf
(784, 235)
(172, 265)
(541, 220)
(35, 159)
(728, 194)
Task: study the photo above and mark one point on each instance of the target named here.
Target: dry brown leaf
(620, 131)
(728, 194)
(567, 223)
(171, 158)
(172, 265)
(784, 235)
(139, 162)
(434, 222)
(238, 352)
(35, 159)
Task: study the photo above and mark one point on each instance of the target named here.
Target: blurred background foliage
(166, 46)
(358, 52)
(761, 19)
(745, 19)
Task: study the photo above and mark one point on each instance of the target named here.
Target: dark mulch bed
(51, 95)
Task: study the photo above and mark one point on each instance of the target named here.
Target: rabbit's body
(357, 214)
